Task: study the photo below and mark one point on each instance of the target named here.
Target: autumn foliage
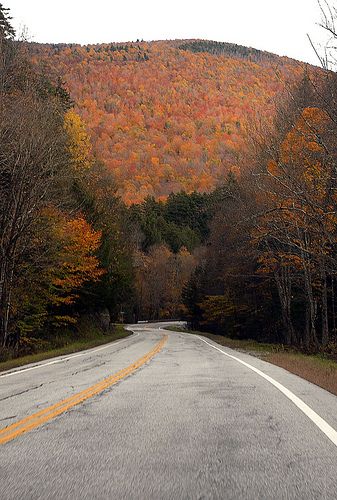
(183, 178)
(77, 262)
(270, 266)
(48, 246)
(169, 116)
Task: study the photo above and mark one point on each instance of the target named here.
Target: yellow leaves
(64, 320)
(315, 177)
(78, 141)
(183, 252)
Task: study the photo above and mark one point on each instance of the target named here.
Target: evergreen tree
(6, 29)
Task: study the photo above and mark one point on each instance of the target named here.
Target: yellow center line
(39, 418)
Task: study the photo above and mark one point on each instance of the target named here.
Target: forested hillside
(69, 247)
(188, 179)
(167, 116)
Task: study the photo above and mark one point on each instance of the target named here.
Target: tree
(79, 145)
(299, 225)
(7, 31)
(95, 192)
(60, 261)
(32, 170)
(35, 169)
(160, 278)
(161, 117)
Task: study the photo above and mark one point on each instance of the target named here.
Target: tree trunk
(325, 321)
(311, 336)
(283, 282)
(333, 306)
(3, 301)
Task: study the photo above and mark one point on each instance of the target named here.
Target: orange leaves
(80, 237)
(314, 119)
(303, 141)
(78, 264)
(271, 262)
(273, 168)
(302, 158)
(151, 108)
(205, 182)
(155, 161)
(297, 225)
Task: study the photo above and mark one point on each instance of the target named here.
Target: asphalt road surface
(189, 420)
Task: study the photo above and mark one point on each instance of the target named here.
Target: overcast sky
(279, 26)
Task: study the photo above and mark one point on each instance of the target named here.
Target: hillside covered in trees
(69, 246)
(178, 179)
(169, 116)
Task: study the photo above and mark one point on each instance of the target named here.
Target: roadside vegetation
(247, 345)
(69, 246)
(318, 369)
(270, 265)
(253, 256)
(66, 342)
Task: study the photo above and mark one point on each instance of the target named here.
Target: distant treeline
(229, 49)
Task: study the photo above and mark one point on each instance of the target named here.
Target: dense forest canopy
(169, 116)
(69, 245)
(173, 179)
(231, 50)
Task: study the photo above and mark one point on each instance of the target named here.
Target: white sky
(279, 26)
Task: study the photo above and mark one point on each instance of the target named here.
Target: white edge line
(311, 414)
(60, 360)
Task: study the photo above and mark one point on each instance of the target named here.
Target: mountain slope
(172, 115)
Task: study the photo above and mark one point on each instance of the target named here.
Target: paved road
(192, 422)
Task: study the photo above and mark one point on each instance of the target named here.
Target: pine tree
(6, 29)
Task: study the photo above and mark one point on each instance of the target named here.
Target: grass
(317, 368)
(248, 345)
(91, 339)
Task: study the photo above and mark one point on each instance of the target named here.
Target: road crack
(24, 392)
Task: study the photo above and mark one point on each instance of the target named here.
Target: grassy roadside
(250, 346)
(80, 344)
(315, 368)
